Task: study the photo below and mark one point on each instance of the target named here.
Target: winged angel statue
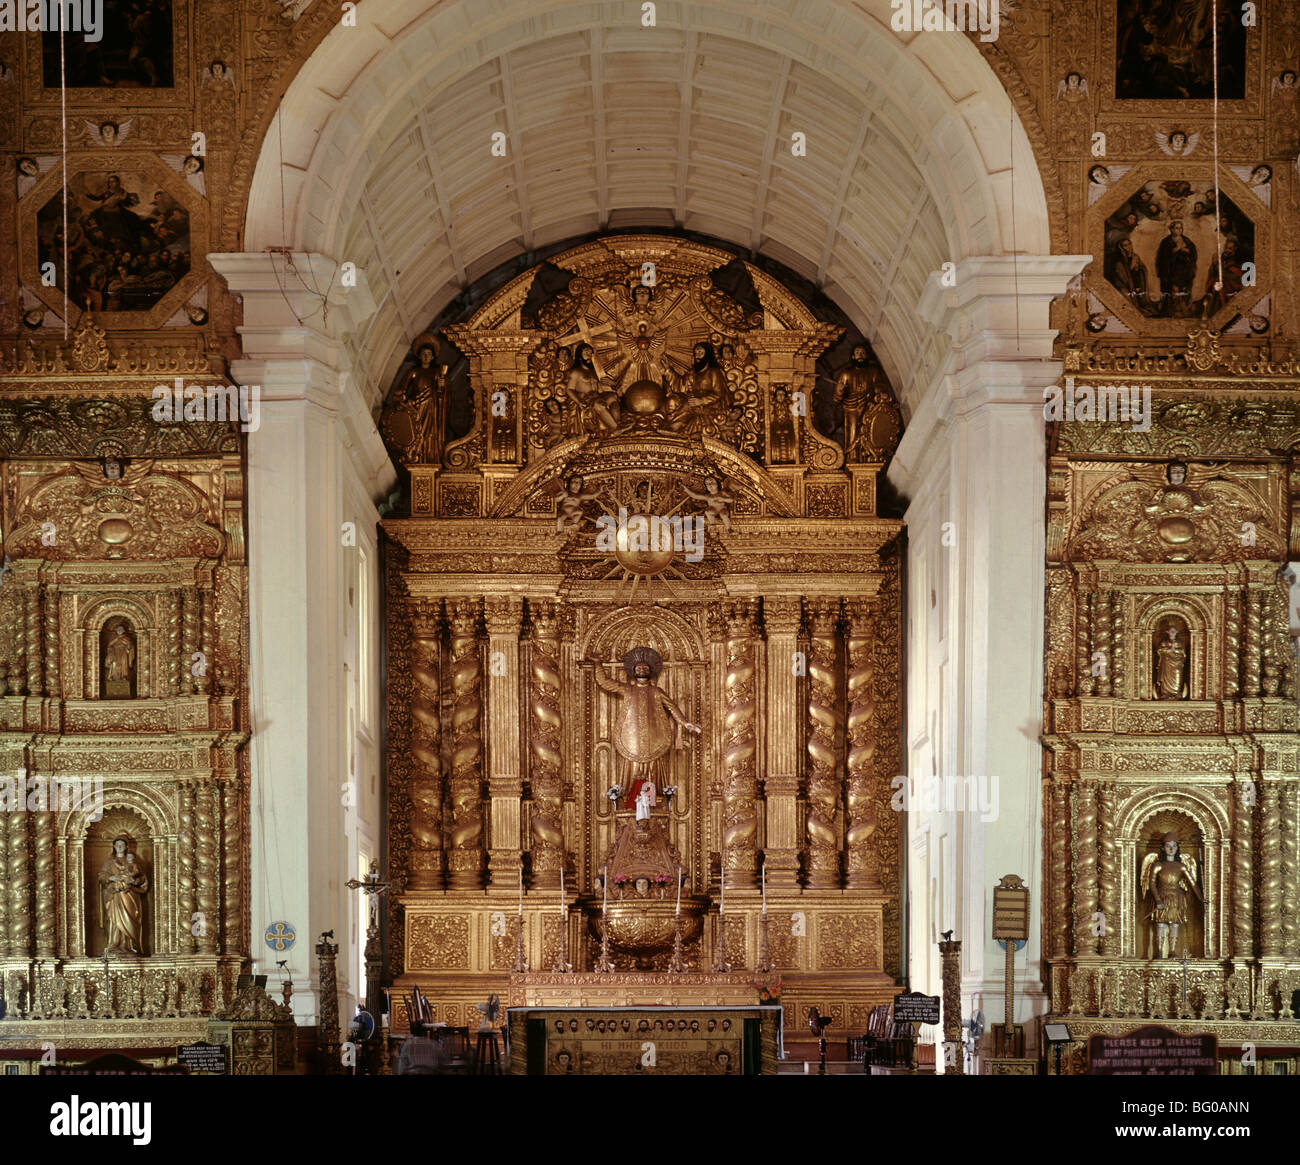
(1168, 878)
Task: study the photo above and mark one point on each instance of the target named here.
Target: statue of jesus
(647, 715)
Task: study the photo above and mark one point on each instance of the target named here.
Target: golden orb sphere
(644, 397)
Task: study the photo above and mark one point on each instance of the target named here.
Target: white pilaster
(315, 462)
(972, 465)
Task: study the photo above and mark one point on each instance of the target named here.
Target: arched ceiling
(388, 160)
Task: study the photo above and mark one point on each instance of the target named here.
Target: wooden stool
(487, 1054)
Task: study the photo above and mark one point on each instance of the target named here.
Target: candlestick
(763, 872)
(521, 886)
(679, 891)
(561, 890)
(722, 898)
(604, 891)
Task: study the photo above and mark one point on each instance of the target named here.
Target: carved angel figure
(1177, 144)
(109, 134)
(1168, 879)
(570, 506)
(1073, 87)
(717, 505)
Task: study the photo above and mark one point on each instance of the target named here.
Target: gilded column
(205, 865)
(465, 859)
(954, 1062)
(1105, 643)
(53, 682)
(1060, 859)
(207, 642)
(859, 786)
(1081, 657)
(546, 723)
(5, 819)
(1270, 870)
(1117, 642)
(781, 785)
(1243, 870)
(739, 747)
(19, 879)
(32, 637)
(1289, 803)
(190, 642)
(823, 865)
(43, 856)
(1085, 866)
(503, 615)
(185, 899)
(1231, 646)
(1108, 867)
(176, 667)
(426, 745)
(231, 881)
(1250, 668)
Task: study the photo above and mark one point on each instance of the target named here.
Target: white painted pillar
(315, 462)
(972, 464)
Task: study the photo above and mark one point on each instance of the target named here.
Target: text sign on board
(1011, 909)
(1153, 1051)
(913, 1007)
(203, 1059)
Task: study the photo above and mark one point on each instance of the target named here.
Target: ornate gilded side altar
(123, 665)
(643, 616)
(1172, 760)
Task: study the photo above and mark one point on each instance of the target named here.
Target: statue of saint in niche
(856, 389)
(122, 887)
(424, 392)
(648, 723)
(1169, 879)
(1171, 666)
(118, 647)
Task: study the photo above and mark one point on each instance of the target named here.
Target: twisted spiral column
(207, 642)
(1243, 871)
(1250, 669)
(231, 880)
(1082, 660)
(1289, 806)
(1270, 870)
(1232, 647)
(19, 879)
(5, 819)
(53, 682)
(739, 746)
(823, 865)
(1060, 865)
(185, 898)
(1108, 867)
(205, 865)
(32, 640)
(426, 746)
(1085, 866)
(1118, 661)
(547, 722)
(465, 858)
(1106, 643)
(861, 762)
(43, 856)
(190, 642)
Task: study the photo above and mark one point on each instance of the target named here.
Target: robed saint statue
(122, 887)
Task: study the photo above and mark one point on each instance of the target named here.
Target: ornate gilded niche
(1172, 800)
(642, 481)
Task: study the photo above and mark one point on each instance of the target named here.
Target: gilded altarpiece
(123, 683)
(759, 596)
(1172, 760)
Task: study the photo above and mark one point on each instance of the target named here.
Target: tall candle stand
(720, 963)
(562, 966)
(764, 963)
(520, 965)
(605, 966)
(677, 965)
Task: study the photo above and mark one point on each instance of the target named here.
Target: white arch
(386, 158)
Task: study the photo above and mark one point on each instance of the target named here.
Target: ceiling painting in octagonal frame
(1156, 235)
(137, 235)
